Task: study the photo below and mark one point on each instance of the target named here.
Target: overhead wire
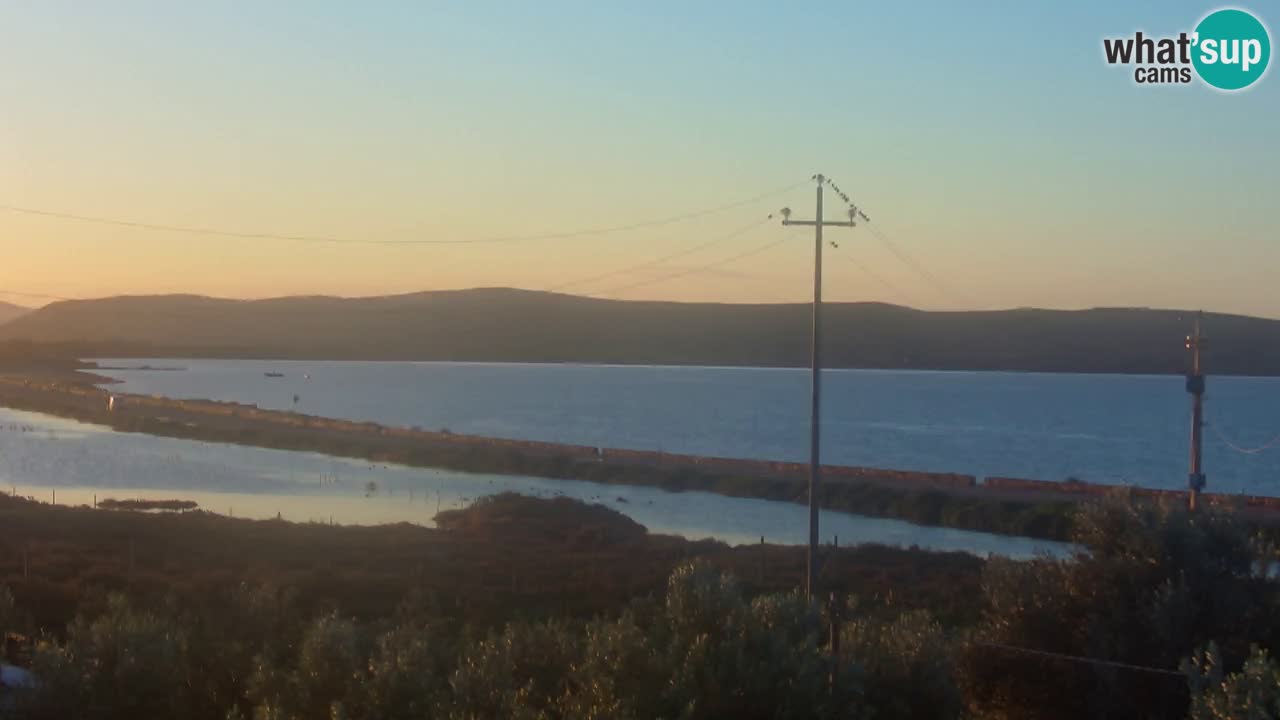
(701, 268)
(1273, 443)
(911, 262)
(659, 260)
(737, 232)
(880, 279)
(1079, 659)
(218, 232)
(249, 235)
(899, 252)
(34, 296)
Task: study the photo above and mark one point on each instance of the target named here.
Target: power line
(581, 281)
(34, 296)
(215, 232)
(903, 256)
(658, 261)
(884, 282)
(702, 268)
(1274, 442)
(1079, 659)
(915, 265)
(687, 251)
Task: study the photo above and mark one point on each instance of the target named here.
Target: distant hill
(9, 311)
(525, 326)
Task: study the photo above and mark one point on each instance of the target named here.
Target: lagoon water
(71, 463)
(1122, 429)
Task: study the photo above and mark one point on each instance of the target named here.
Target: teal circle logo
(1232, 49)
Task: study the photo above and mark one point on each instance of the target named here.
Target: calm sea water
(56, 460)
(1104, 428)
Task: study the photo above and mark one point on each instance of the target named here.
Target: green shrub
(700, 650)
(328, 671)
(126, 663)
(520, 673)
(407, 674)
(1149, 584)
(907, 666)
(1252, 693)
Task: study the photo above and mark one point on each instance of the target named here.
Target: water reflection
(42, 455)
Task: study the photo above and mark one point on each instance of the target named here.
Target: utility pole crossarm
(815, 417)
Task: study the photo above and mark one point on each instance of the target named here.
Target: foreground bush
(1253, 693)
(1148, 586)
(702, 650)
(125, 663)
(910, 664)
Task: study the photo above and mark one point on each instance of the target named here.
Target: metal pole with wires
(1195, 386)
(815, 352)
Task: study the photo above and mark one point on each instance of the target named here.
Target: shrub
(1148, 585)
(907, 667)
(1253, 693)
(407, 674)
(520, 673)
(329, 668)
(699, 651)
(126, 663)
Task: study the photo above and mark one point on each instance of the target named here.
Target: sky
(1004, 163)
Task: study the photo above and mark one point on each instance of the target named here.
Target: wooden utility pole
(1195, 386)
(815, 351)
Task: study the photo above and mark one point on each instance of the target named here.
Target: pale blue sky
(988, 139)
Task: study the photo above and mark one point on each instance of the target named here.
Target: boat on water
(274, 374)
